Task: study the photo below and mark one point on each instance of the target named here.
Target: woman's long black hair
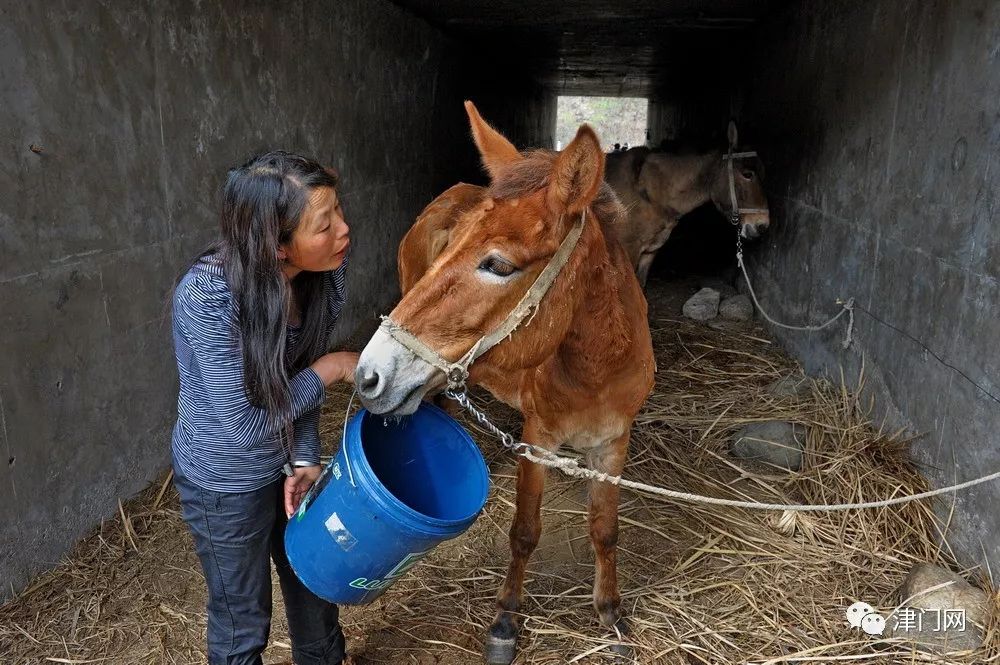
(262, 204)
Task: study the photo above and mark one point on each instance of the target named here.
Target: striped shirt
(221, 441)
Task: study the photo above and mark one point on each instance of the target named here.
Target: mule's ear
(436, 244)
(732, 134)
(495, 150)
(578, 173)
(638, 157)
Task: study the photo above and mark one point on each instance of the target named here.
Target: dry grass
(701, 584)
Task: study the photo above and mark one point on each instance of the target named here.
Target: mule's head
(747, 180)
(494, 253)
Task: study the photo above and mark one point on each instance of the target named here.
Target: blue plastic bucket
(396, 489)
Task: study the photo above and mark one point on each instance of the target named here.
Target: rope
(571, 467)
(846, 308)
(457, 372)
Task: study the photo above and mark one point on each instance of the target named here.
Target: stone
(793, 385)
(702, 306)
(736, 308)
(774, 442)
(930, 619)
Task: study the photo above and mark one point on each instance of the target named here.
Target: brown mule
(659, 187)
(579, 369)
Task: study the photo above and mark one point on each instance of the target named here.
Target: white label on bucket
(340, 533)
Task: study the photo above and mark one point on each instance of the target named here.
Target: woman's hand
(339, 366)
(297, 485)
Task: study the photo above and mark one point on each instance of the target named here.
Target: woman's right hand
(337, 366)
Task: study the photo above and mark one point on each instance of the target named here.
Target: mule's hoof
(622, 627)
(500, 650)
(623, 653)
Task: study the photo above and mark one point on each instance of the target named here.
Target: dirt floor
(701, 584)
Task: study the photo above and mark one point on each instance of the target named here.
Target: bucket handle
(343, 439)
(307, 499)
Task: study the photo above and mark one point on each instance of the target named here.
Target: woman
(251, 323)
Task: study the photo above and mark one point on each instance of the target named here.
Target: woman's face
(320, 241)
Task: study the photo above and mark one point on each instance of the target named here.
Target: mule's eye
(748, 175)
(497, 266)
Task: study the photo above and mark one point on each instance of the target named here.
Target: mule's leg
(642, 270)
(650, 249)
(602, 507)
(524, 533)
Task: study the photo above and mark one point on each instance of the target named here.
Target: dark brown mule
(659, 187)
(579, 370)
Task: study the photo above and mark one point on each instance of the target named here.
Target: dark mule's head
(493, 254)
(747, 184)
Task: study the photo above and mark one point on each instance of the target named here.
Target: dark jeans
(236, 535)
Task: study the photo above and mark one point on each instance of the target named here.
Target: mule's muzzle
(390, 379)
(751, 229)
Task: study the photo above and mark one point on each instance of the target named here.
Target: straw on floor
(701, 584)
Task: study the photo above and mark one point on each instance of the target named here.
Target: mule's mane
(533, 173)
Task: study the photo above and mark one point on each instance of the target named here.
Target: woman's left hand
(298, 484)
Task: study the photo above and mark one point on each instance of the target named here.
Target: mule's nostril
(369, 384)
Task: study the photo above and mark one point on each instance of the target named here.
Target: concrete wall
(511, 101)
(662, 122)
(138, 110)
(696, 117)
(878, 122)
(692, 100)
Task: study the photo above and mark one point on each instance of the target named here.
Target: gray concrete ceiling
(599, 47)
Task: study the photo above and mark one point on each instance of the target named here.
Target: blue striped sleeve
(207, 320)
(306, 444)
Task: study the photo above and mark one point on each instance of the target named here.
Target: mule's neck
(707, 178)
(599, 330)
(693, 182)
(716, 180)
